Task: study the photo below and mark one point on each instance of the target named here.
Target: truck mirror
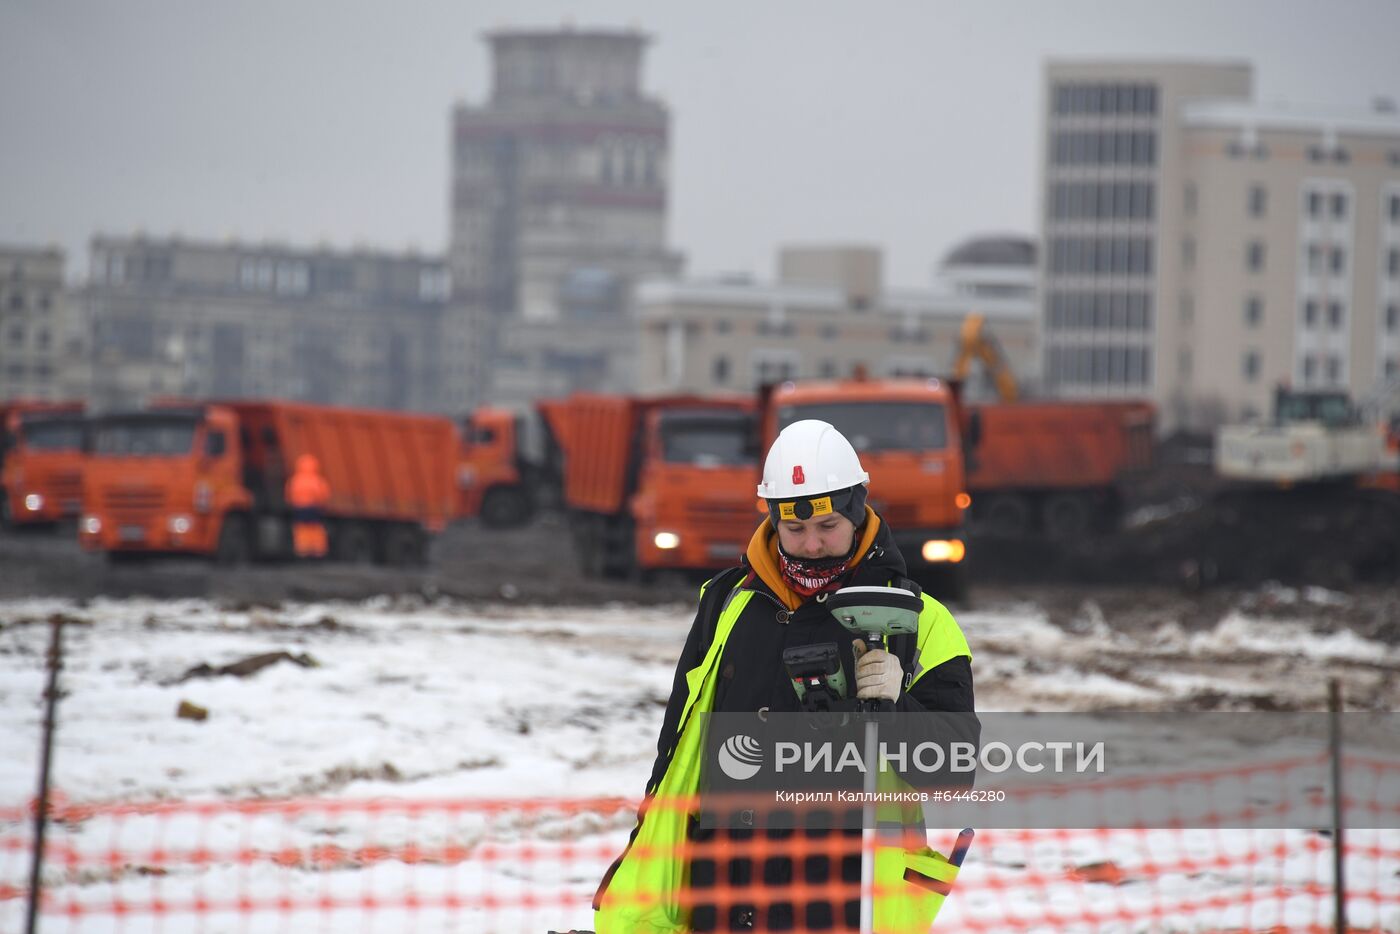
(974, 429)
(214, 444)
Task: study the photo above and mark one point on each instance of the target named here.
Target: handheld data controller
(817, 675)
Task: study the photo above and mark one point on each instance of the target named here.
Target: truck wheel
(505, 507)
(405, 548)
(958, 586)
(619, 548)
(353, 544)
(1006, 515)
(1065, 516)
(234, 547)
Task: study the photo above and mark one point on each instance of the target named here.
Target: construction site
(835, 469)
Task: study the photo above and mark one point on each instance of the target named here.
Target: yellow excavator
(976, 341)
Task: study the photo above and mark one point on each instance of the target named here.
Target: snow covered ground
(441, 703)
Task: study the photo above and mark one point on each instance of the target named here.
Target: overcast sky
(905, 124)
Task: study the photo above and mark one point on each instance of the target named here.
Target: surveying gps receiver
(817, 675)
(875, 612)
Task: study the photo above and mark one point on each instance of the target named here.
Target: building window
(1187, 310)
(1339, 260)
(1392, 318)
(830, 332)
(1309, 368)
(1258, 198)
(721, 370)
(1392, 366)
(1253, 311)
(1314, 204)
(1316, 154)
(1255, 256)
(827, 370)
(1334, 369)
(17, 334)
(1392, 262)
(1251, 366)
(723, 326)
(1310, 313)
(1334, 315)
(1395, 209)
(1314, 259)
(1341, 155)
(41, 339)
(16, 301)
(1339, 205)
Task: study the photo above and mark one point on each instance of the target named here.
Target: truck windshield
(143, 437)
(52, 435)
(715, 440)
(879, 426)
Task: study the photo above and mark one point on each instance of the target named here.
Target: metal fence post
(1339, 889)
(41, 804)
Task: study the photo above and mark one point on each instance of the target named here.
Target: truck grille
(133, 503)
(726, 519)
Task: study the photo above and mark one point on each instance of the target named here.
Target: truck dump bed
(1059, 445)
(379, 464)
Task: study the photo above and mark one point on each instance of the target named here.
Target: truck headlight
(33, 502)
(92, 525)
(939, 551)
(179, 524)
(667, 540)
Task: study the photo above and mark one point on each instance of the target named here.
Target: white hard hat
(810, 458)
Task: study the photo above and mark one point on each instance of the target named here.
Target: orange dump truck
(1054, 468)
(909, 437)
(41, 462)
(208, 479)
(659, 483)
(507, 471)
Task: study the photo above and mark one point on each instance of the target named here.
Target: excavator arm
(977, 342)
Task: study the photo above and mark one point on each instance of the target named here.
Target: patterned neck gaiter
(809, 576)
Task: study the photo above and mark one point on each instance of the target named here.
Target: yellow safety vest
(641, 896)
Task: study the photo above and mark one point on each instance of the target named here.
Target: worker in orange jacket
(308, 493)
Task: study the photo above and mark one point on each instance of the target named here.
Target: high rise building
(558, 206)
(1201, 248)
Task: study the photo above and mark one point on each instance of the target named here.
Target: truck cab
(165, 480)
(506, 473)
(908, 435)
(41, 463)
(694, 506)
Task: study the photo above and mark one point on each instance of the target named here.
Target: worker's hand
(877, 673)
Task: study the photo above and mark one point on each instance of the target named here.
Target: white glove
(877, 673)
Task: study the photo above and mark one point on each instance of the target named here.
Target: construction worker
(308, 493)
(819, 536)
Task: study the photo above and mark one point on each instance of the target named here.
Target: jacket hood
(876, 558)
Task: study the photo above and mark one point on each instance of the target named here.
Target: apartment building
(1201, 248)
(829, 316)
(40, 348)
(172, 316)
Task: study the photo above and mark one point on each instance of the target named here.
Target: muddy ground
(536, 566)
